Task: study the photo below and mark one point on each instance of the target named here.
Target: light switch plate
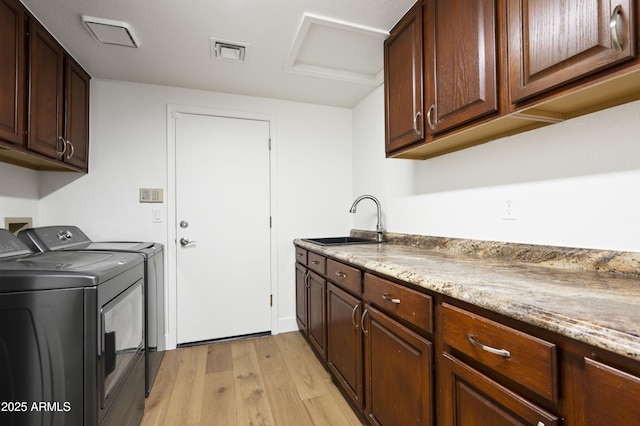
(151, 195)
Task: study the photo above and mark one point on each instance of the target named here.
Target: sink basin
(336, 241)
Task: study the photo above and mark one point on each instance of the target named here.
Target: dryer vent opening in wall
(17, 224)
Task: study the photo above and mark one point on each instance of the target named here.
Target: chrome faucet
(379, 227)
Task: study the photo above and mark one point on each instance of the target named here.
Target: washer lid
(11, 246)
(64, 269)
(119, 246)
(50, 238)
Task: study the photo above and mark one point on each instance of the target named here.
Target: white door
(223, 227)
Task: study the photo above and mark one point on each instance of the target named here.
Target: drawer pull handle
(299, 254)
(502, 352)
(364, 314)
(353, 317)
(390, 299)
(613, 26)
(341, 275)
(429, 120)
(415, 123)
(315, 262)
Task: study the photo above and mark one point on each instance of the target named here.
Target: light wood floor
(274, 380)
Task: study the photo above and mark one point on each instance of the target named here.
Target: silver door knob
(184, 224)
(185, 241)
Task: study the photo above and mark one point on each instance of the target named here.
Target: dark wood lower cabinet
(409, 357)
(398, 372)
(470, 398)
(301, 296)
(606, 387)
(316, 311)
(344, 345)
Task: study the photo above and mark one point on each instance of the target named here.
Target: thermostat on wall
(151, 195)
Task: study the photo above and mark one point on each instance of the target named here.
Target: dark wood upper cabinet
(555, 42)
(44, 102)
(46, 79)
(495, 68)
(461, 40)
(12, 72)
(403, 76)
(76, 114)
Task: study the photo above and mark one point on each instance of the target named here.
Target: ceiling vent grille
(229, 50)
(107, 31)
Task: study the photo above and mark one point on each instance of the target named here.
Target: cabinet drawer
(347, 276)
(407, 304)
(317, 263)
(301, 255)
(525, 359)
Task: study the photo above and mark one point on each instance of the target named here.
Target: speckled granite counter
(560, 290)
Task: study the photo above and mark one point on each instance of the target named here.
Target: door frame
(171, 290)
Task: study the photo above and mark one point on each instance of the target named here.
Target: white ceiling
(321, 66)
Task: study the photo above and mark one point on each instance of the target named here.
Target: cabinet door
(554, 42)
(76, 115)
(46, 59)
(12, 72)
(301, 297)
(344, 345)
(317, 313)
(470, 398)
(398, 372)
(403, 81)
(463, 62)
(612, 397)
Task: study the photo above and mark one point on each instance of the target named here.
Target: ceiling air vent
(229, 50)
(107, 31)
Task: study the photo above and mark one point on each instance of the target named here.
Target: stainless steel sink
(336, 241)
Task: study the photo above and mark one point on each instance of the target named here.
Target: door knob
(184, 224)
(185, 242)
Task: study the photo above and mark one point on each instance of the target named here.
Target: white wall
(128, 150)
(19, 193)
(576, 183)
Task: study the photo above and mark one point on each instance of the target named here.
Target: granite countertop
(591, 296)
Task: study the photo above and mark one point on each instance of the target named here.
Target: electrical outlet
(510, 209)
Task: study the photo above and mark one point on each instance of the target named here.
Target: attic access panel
(107, 31)
(329, 48)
